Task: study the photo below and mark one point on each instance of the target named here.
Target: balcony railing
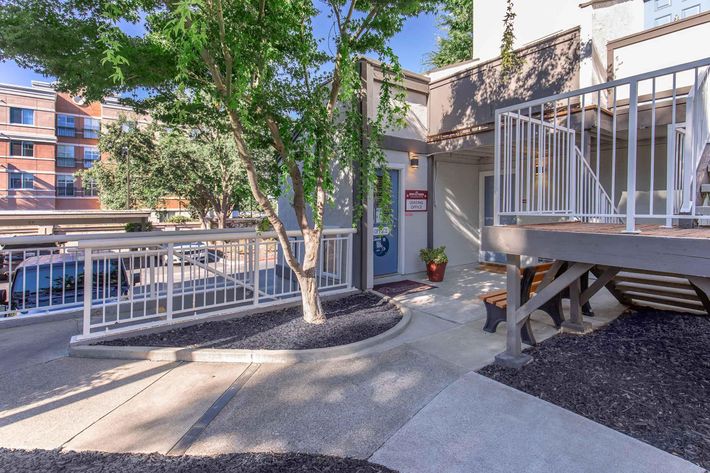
(66, 162)
(72, 132)
(615, 152)
(66, 131)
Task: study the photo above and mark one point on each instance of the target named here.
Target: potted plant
(435, 260)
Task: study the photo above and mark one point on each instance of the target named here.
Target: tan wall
(471, 97)
(77, 203)
(43, 115)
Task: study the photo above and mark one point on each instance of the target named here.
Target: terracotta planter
(435, 272)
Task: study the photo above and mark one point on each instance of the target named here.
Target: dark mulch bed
(647, 375)
(41, 461)
(350, 319)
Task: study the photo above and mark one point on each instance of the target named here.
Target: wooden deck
(671, 250)
(615, 229)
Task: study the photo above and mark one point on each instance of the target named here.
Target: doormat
(398, 288)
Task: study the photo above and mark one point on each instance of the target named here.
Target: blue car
(58, 280)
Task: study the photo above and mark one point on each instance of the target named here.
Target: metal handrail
(190, 236)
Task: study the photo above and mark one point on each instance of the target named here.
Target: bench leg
(494, 316)
(553, 308)
(587, 307)
(526, 333)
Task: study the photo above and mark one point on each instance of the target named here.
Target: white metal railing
(148, 281)
(38, 274)
(546, 173)
(697, 133)
(597, 154)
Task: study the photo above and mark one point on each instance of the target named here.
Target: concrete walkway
(413, 404)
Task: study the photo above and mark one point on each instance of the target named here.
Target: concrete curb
(222, 355)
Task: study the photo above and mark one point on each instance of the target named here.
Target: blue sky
(417, 38)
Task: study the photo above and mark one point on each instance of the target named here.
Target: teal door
(385, 245)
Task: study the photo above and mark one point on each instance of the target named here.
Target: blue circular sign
(382, 245)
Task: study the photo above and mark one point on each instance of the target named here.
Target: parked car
(194, 251)
(12, 255)
(52, 280)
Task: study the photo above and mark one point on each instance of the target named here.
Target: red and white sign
(415, 201)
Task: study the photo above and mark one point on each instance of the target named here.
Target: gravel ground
(41, 461)
(350, 319)
(647, 375)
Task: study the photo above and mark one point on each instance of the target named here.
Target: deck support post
(513, 356)
(576, 323)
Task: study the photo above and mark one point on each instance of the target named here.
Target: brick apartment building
(45, 138)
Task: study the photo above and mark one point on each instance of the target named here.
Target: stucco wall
(471, 97)
(456, 210)
(534, 20)
(337, 215)
(663, 51)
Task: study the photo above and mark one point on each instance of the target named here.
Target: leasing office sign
(415, 201)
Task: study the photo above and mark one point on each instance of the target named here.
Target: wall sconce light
(413, 161)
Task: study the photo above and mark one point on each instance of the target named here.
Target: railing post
(170, 268)
(631, 157)
(573, 172)
(256, 270)
(349, 262)
(88, 290)
(670, 175)
(496, 173)
(686, 201)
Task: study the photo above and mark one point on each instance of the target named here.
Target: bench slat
(500, 298)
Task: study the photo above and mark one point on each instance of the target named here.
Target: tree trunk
(221, 220)
(205, 222)
(312, 308)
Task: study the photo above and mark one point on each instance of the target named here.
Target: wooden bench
(497, 302)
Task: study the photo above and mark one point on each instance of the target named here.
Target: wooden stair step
(696, 305)
(677, 283)
(690, 295)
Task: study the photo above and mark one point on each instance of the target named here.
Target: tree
(204, 169)
(456, 22)
(509, 60)
(145, 166)
(258, 64)
(128, 177)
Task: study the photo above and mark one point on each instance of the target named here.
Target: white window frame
(22, 176)
(22, 149)
(90, 150)
(63, 177)
(66, 122)
(22, 116)
(92, 125)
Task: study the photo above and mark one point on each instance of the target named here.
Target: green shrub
(179, 219)
(139, 227)
(434, 255)
(264, 225)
